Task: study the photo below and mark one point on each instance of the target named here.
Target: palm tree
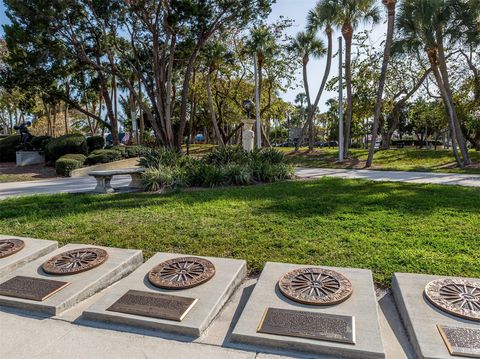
(321, 18)
(215, 54)
(426, 25)
(391, 7)
(307, 45)
(347, 15)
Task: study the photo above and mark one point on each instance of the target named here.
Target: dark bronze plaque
(155, 305)
(309, 325)
(75, 261)
(181, 273)
(10, 246)
(31, 288)
(463, 342)
(315, 286)
(457, 296)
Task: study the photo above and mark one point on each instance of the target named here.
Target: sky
(297, 11)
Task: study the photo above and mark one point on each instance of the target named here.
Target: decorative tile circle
(181, 273)
(75, 261)
(315, 286)
(10, 246)
(460, 297)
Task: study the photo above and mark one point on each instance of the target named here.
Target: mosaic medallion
(10, 246)
(75, 261)
(460, 297)
(315, 286)
(181, 273)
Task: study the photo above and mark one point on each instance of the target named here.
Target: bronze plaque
(10, 246)
(75, 261)
(457, 296)
(309, 325)
(154, 305)
(31, 288)
(181, 273)
(315, 286)
(463, 342)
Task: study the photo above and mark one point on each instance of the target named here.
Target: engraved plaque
(315, 286)
(10, 246)
(309, 325)
(463, 342)
(31, 288)
(154, 305)
(75, 261)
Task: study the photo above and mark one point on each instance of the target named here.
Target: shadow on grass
(299, 199)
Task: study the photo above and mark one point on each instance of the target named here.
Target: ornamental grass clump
(227, 166)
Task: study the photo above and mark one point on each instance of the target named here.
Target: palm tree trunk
(213, 116)
(347, 32)
(383, 77)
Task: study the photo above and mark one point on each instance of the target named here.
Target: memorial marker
(31, 288)
(461, 341)
(154, 305)
(309, 325)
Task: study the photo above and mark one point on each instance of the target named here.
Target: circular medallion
(315, 286)
(75, 261)
(181, 273)
(460, 297)
(10, 246)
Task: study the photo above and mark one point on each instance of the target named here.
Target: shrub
(238, 175)
(57, 147)
(156, 179)
(8, 148)
(95, 143)
(39, 142)
(155, 158)
(121, 149)
(269, 155)
(207, 175)
(136, 151)
(66, 164)
(103, 156)
(225, 155)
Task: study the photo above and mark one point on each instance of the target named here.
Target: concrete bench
(104, 178)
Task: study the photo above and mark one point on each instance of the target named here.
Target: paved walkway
(86, 184)
(393, 176)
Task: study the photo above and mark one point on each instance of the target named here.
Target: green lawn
(395, 160)
(386, 227)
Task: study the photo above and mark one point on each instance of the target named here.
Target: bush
(156, 179)
(155, 158)
(136, 151)
(269, 155)
(95, 143)
(121, 149)
(66, 164)
(8, 148)
(226, 155)
(39, 142)
(103, 156)
(238, 175)
(57, 147)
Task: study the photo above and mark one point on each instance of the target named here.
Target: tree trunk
(347, 32)
(383, 77)
(213, 116)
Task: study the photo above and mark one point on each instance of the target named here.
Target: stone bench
(104, 178)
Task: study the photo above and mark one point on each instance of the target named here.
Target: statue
(248, 136)
(25, 135)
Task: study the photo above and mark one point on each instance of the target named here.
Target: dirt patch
(29, 173)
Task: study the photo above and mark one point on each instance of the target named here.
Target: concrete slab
(29, 158)
(34, 248)
(362, 305)
(421, 318)
(211, 296)
(120, 263)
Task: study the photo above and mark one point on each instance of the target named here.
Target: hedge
(103, 156)
(8, 148)
(95, 143)
(40, 142)
(66, 164)
(68, 144)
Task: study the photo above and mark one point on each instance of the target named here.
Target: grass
(15, 178)
(386, 227)
(389, 160)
